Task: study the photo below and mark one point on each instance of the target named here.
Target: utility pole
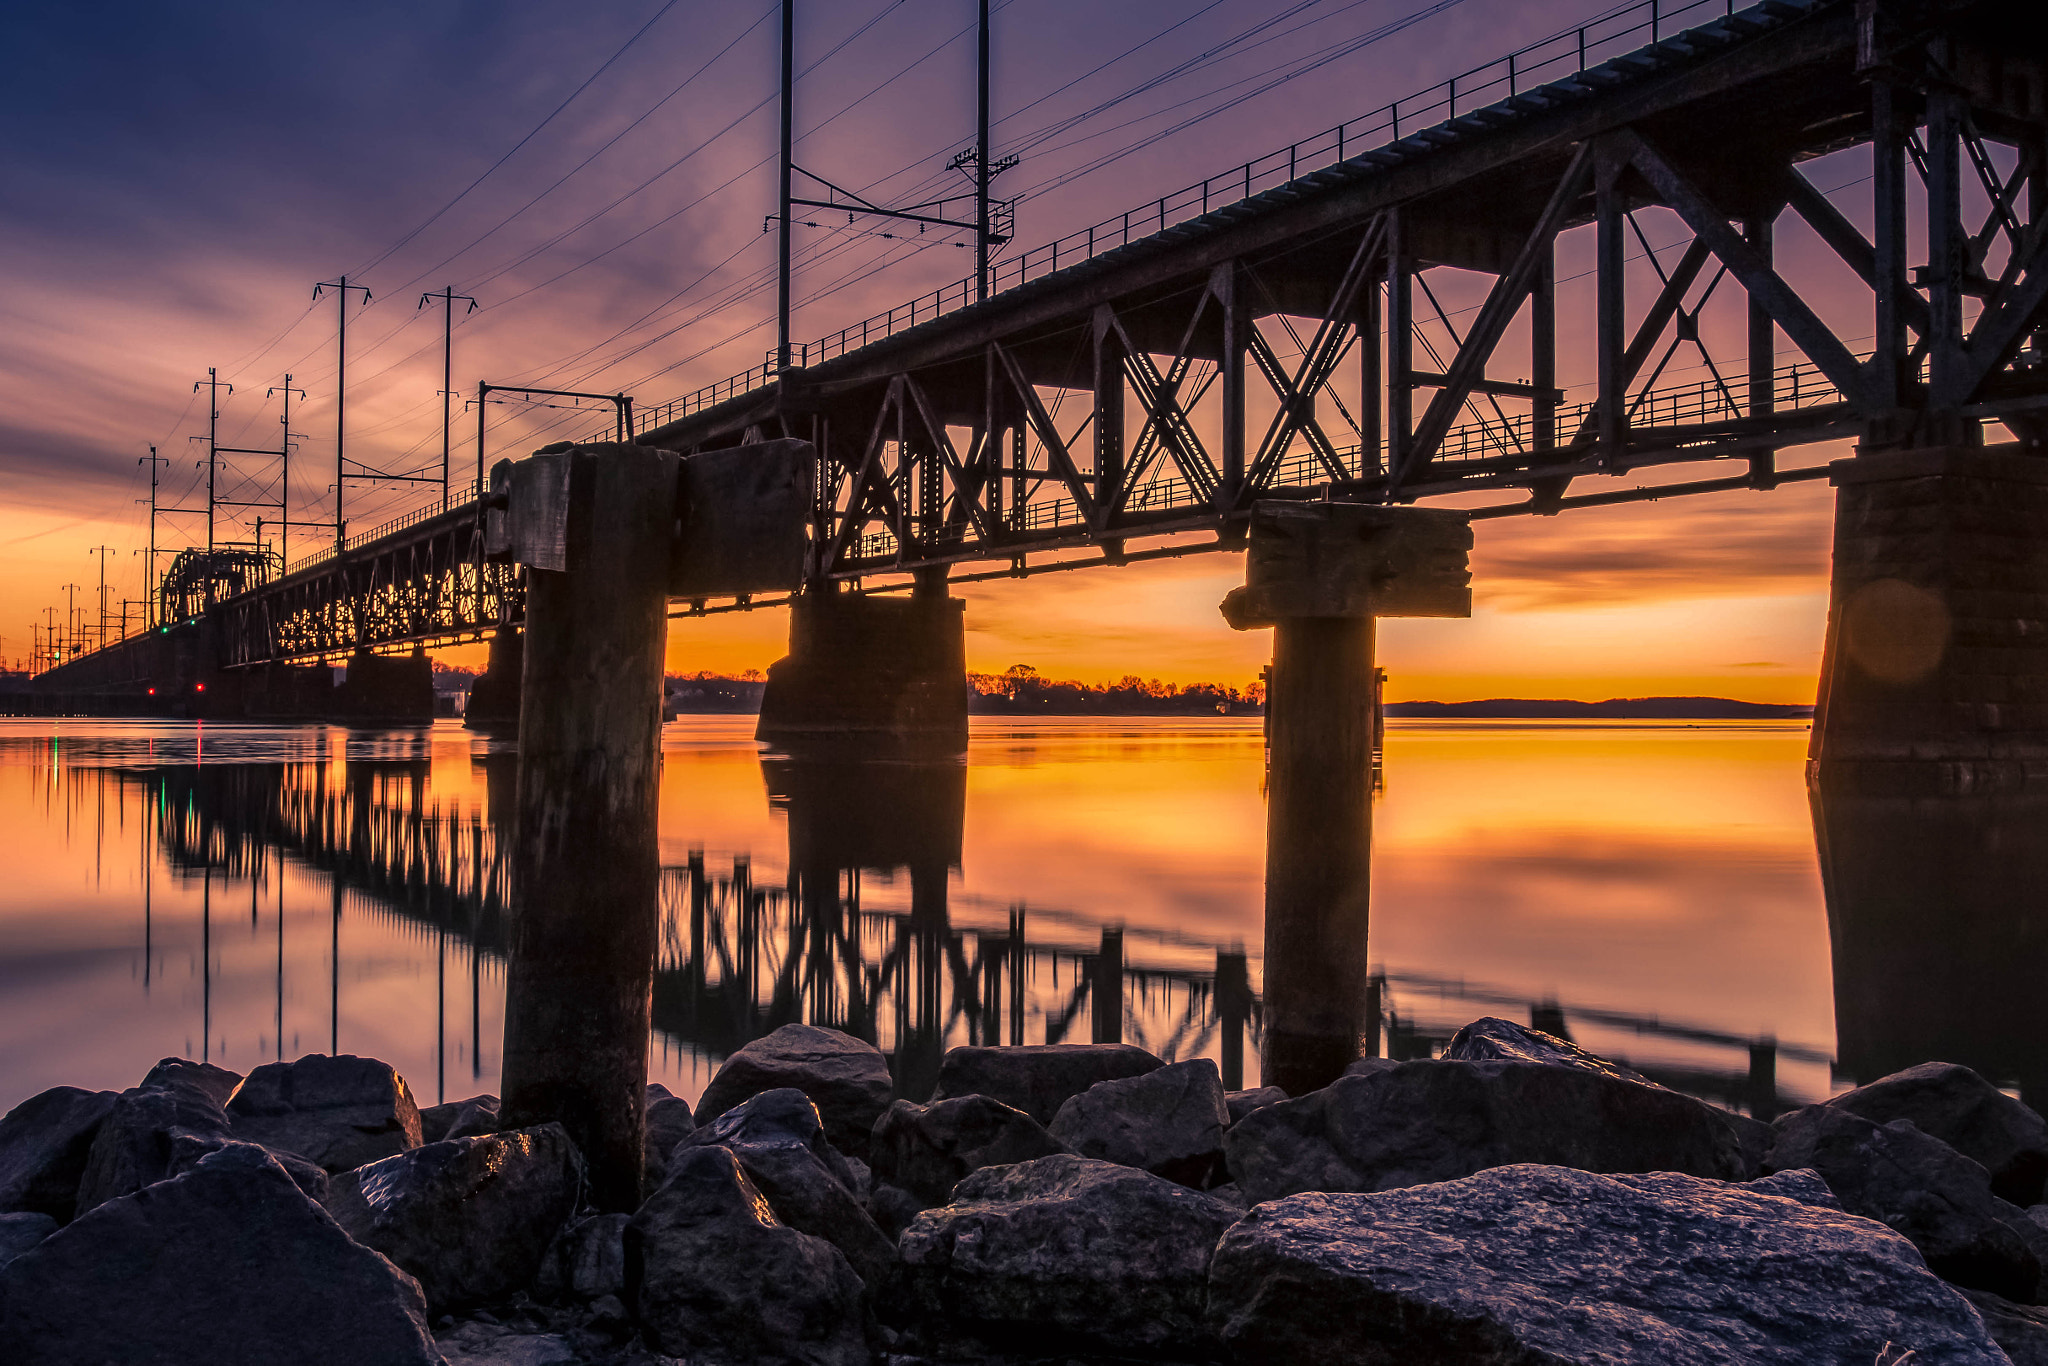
(284, 457)
(71, 592)
(213, 387)
(988, 232)
(341, 287)
(149, 566)
(788, 144)
(102, 551)
(447, 296)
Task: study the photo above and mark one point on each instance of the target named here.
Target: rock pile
(1517, 1199)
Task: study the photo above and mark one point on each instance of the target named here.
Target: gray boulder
(713, 1276)
(21, 1231)
(335, 1111)
(846, 1078)
(217, 1082)
(44, 1144)
(586, 1261)
(227, 1265)
(1067, 1253)
(2020, 1330)
(1963, 1110)
(669, 1122)
(1534, 1264)
(471, 1218)
(780, 1143)
(150, 1134)
(474, 1120)
(437, 1120)
(1919, 1187)
(1426, 1121)
(1242, 1103)
(1168, 1121)
(924, 1150)
(1038, 1078)
(1497, 1040)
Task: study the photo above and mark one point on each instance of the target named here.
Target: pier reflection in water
(248, 894)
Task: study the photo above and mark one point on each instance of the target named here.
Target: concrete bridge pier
(1935, 671)
(871, 675)
(1319, 574)
(393, 688)
(586, 866)
(494, 700)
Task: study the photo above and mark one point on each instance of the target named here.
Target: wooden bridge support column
(1935, 674)
(1319, 574)
(586, 869)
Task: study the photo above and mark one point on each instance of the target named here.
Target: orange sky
(174, 203)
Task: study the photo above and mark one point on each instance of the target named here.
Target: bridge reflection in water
(1934, 952)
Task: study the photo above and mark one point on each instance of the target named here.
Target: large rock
(780, 1142)
(924, 1150)
(150, 1134)
(669, 1122)
(2021, 1330)
(1169, 1121)
(44, 1144)
(1242, 1103)
(1959, 1107)
(1426, 1121)
(227, 1265)
(714, 1277)
(471, 1218)
(1067, 1252)
(587, 1259)
(1038, 1078)
(21, 1231)
(336, 1111)
(473, 1120)
(847, 1079)
(1496, 1040)
(1919, 1187)
(437, 1121)
(217, 1082)
(1533, 1264)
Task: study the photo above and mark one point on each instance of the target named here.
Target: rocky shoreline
(1515, 1201)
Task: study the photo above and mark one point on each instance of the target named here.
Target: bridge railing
(470, 492)
(1559, 57)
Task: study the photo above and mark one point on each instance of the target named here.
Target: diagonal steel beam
(943, 443)
(1502, 303)
(1056, 453)
(1998, 333)
(1764, 284)
(1847, 241)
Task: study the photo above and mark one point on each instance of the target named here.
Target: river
(243, 893)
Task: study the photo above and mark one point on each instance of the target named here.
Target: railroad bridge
(1335, 359)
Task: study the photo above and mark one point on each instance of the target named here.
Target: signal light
(202, 687)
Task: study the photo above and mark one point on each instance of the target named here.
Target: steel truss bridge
(1375, 314)
(838, 943)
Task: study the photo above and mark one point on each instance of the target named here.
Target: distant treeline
(1613, 709)
(1019, 690)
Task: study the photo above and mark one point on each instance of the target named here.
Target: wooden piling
(586, 866)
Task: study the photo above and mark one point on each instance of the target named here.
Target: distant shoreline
(747, 701)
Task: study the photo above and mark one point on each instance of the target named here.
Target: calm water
(241, 893)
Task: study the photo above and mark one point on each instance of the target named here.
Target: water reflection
(250, 893)
(1939, 931)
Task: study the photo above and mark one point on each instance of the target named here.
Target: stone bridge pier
(1934, 676)
(1320, 574)
(869, 674)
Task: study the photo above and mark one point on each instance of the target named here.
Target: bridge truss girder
(1167, 401)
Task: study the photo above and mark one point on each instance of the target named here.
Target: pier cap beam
(1320, 573)
(1352, 560)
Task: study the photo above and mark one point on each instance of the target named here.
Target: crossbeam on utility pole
(447, 296)
(341, 287)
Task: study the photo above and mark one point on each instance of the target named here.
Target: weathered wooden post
(608, 534)
(595, 528)
(1319, 573)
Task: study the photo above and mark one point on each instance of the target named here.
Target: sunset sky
(178, 177)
